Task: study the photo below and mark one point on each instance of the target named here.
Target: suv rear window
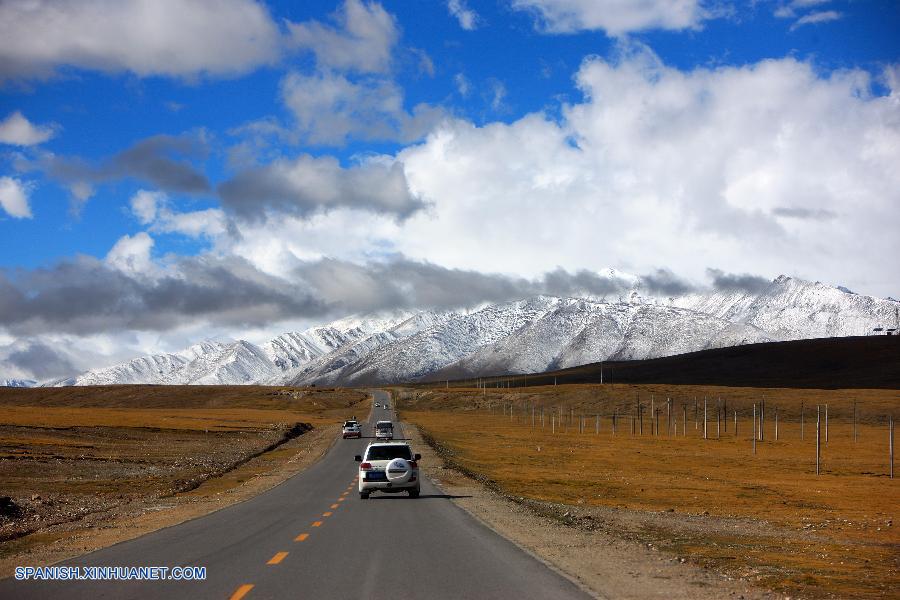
(389, 452)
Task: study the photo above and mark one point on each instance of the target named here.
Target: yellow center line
(341, 499)
(317, 523)
(279, 556)
(326, 514)
(301, 537)
(241, 591)
(334, 506)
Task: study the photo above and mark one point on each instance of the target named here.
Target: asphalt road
(313, 537)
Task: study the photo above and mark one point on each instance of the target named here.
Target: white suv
(351, 429)
(389, 467)
(384, 430)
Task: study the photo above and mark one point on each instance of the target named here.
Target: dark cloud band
(86, 296)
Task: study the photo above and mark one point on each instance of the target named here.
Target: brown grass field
(770, 517)
(70, 453)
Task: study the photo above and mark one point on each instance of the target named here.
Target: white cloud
(330, 108)
(615, 17)
(147, 37)
(18, 131)
(789, 10)
(659, 167)
(468, 18)
(462, 85)
(143, 205)
(823, 16)
(14, 197)
(153, 209)
(426, 65)
(361, 41)
(131, 254)
(497, 94)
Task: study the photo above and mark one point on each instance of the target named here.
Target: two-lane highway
(313, 537)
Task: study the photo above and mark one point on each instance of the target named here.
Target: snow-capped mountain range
(17, 383)
(529, 335)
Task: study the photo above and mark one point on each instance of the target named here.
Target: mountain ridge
(533, 334)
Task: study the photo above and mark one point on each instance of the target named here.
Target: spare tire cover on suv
(399, 470)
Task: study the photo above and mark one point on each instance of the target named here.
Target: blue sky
(295, 145)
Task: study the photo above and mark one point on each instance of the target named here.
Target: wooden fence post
(641, 417)
(718, 421)
(754, 428)
(891, 444)
(818, 438)
(704, 417)
(762, 421)
(668, 417)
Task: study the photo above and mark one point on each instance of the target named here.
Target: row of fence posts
(557, 421)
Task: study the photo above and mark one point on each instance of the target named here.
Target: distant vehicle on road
(384, 430)
(388, 467)
(351, 429)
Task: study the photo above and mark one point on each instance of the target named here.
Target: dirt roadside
(143, 515)
(603, 550)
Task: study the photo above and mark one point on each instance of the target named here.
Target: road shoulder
(134, 519)
(585, 548)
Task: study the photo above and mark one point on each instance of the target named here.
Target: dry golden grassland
(770, 516)
(68, 453)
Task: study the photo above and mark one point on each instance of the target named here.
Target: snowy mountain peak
(525, 335)
(20, 383)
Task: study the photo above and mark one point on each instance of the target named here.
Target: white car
(388, 467)
(351, 429)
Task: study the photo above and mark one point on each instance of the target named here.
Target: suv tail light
(365, 466)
